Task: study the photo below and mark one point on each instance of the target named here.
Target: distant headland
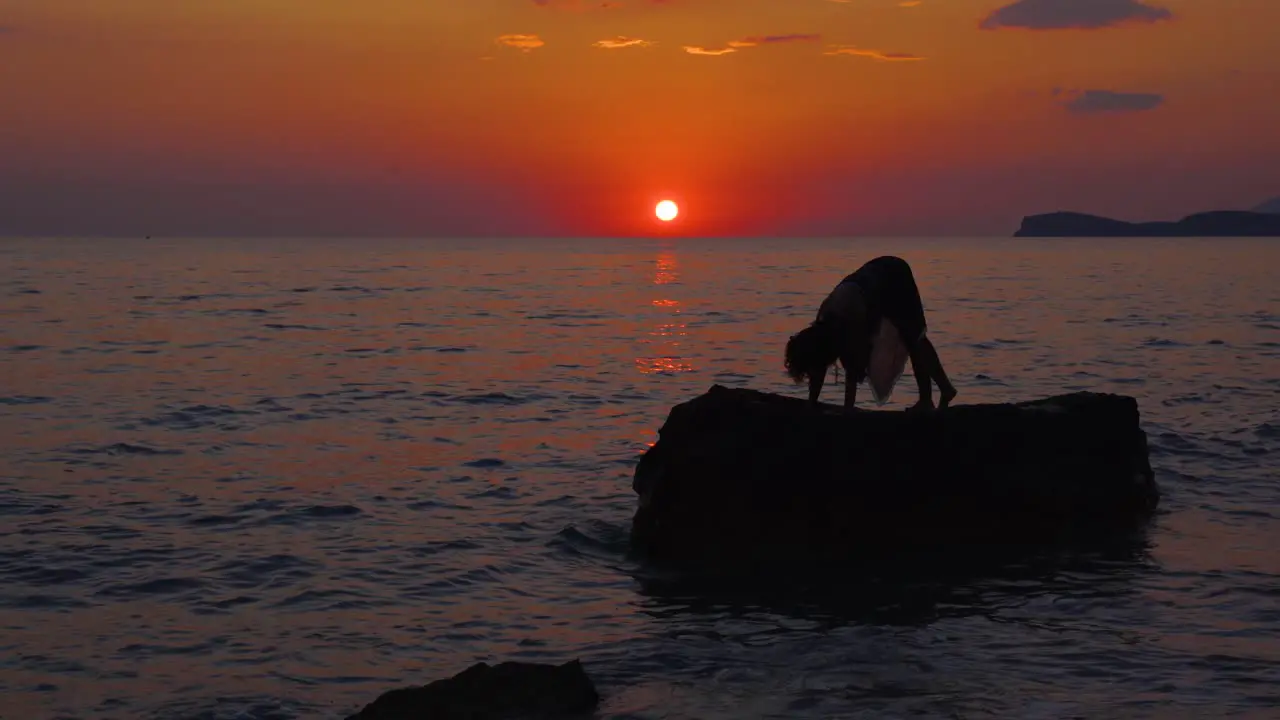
(1263, 221)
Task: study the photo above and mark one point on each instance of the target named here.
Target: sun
(667, 211)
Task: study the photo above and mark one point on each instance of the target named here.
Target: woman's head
(810, 352)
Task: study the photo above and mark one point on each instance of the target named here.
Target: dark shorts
(890, 291)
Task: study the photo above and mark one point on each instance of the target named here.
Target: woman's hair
(810, 351)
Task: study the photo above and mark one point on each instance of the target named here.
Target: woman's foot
(948, 394)
(922, 406)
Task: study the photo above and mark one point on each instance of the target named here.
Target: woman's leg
(902, 302)
(922, 368)
(927, 366)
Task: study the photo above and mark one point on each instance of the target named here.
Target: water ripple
(276, 482)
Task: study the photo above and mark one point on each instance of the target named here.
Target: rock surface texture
(506, 691)
(739, 474)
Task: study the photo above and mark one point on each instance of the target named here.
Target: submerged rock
(741, 475)
(492, 692)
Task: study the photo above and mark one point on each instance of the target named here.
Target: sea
(273, 478)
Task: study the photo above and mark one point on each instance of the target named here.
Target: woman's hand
(815, 386)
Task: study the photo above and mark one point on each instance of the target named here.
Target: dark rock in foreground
(485, 692)
(742, 475)
(1226, 223)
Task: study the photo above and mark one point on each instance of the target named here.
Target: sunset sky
(564, 117)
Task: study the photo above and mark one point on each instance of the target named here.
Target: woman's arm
(815, 386)
(857, 347)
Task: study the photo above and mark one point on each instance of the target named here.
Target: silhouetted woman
(871, 322)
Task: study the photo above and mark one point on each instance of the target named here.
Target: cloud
(873, 54)
(910, 3)
(521, 41)
(579, 4)
(6, 29)
(698, 50)
(1089, 102)
(773, 39)
(620, 42)
(1073, 14)
(753, 41)
(583, 5)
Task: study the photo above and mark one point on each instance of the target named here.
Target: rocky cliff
(1210, 224)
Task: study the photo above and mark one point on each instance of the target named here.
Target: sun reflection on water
(670, 332)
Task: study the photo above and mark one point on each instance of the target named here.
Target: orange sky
(412, 116)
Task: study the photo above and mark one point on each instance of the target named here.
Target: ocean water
(275, 478)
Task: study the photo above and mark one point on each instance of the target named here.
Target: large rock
(740, 475)
(498, 692)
